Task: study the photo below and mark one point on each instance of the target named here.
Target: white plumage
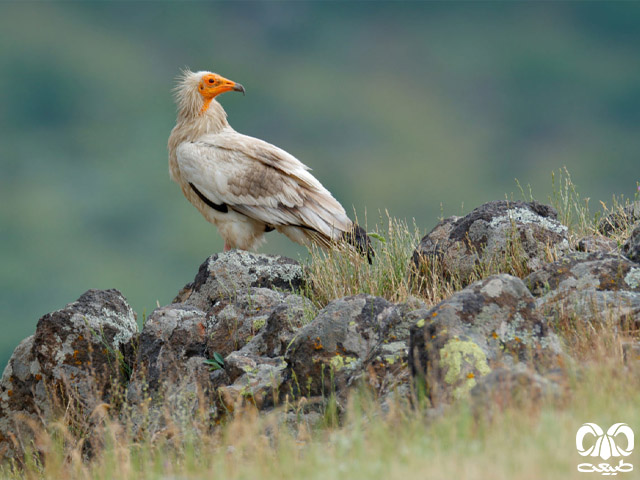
(243, 185)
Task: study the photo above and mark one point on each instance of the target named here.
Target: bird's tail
(358, 237)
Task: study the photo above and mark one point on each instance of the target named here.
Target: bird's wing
(261, 181)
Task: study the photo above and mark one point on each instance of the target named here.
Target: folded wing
(263, 182)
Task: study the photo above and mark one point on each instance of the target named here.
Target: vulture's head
(196, 90)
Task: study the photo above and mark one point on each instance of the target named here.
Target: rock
(276, 330)
(172, 350)
(175, 371)
(223, 274)
(255, 380)
(631, 248)
(597, 243)
(491, 235)
(239, 320)
(493, 323)
(595, 287)
(76, 354)
(503, 388)
(620, 220)
(343, 343)
(22, 395)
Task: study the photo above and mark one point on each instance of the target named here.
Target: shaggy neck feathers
(196, 114)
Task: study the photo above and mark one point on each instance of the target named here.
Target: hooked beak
(238, 88)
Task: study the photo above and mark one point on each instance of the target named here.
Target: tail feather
(358, 237)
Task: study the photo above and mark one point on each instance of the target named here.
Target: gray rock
(519, 387)
(256, 380)
(631, 248)
(337, 346)
(224, 274)
(172, 349)
(23, 395)
(595, 287)
(596, 243)
(276, 330)
(487, 235)
(490, 324)
(76, 354)
(251, 330)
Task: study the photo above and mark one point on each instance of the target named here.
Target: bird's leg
(226, 247)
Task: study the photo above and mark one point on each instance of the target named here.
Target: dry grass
(341, 272)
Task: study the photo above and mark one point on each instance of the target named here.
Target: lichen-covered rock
(518, 386)
(276, 330)
(490, 324)
(223, 274)
(80, 345)
(256, 380)
(236, 321)
(76, 353)
(180, 336)
(592, 286)
(180, 348)
(490, 234)
(345, 337)
(596, 243)
(631, 248)
(172, 349)
(620, 220)
(22, 394)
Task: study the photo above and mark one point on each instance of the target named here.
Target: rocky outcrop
(524, 232)
(79, 355)
(596, 243)
(493, 323)
(508, 387)
(225, 341)
(595, 287)
(224, 274)
(354, 338)
(244, 333)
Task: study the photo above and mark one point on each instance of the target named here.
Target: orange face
(212, 84)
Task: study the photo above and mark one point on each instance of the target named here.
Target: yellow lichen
(339, 362)
(454, 356)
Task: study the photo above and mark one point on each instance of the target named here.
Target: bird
(247, 187)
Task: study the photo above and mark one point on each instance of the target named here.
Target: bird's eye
(211, 80)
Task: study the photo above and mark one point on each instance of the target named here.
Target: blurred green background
(424, 109)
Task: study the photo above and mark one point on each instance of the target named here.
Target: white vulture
(245, 186)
